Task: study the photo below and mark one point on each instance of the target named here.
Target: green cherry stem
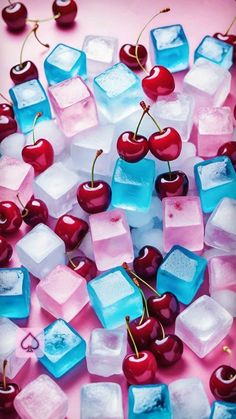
(98, 153)
(140, 121)
(135, 281)
(37, 116)
(4, 380)
(25, 212)
(146, 108)
(126, 267)
(230, 26)
(7, 100)
(127, 319)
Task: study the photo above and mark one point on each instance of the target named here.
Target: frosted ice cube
(168, 36)
(149, 401)
(211, 50)
(180, 265)
(188, 169)
(101, 53)
(215, 50)
(12, 145)
(49, 131)
(64, 57)
(11, 282)
(214, 174)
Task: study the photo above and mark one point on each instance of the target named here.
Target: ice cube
(223, 410)
(101, 52)
(28, 403)
(14, 292)
(188, 399)
(215, 50)
(147, 237)
(203, 336)
(28, 99)
(41, 250)
(139, 219)
(12, 145)
(188, 168)
(101, 400)
(150, 402)
(49, 131)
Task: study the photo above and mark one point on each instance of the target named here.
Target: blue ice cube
(223, 410)
(214, 50)
(113, 296)
(215, 179)
(28, 99)
(64, 62)
(182, 273)
(149, 402)
(132, 185)
(118, 92)
(14, 292)
(63, 348)
(169, 47)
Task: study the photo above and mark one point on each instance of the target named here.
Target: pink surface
(122, 19)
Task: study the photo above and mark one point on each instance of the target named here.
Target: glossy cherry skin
(147, 262)
(71, 230)
(167, 351)
(228, 149)
(235, 112)
(132, 148)
(8, 126)
(127, 56)
(83, 266)
(164, 308)
(35, 212)
(10, 217)
(6, 110)
(20, 74)
(40, 155)
(223, 383)
(7, 396)
(145, 332)
(159, 82)
(96, 199)
(5, 251)
(175, 184)
(166, 145)
(229, 39)
(140, 370)
(15, 16)
(67, 9)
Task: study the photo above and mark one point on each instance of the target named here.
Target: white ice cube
(12, 145)
(101, 52)
(49, 131)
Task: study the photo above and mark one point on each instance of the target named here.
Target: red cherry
(171, 184)
(15, 16)
(35, 212)
(8, 126)
(5, 251)
(71, 230)
(83, 266)
(131, 147)
(7, 396)
(10, 217)
(164, 307)
(168, 350)
(141, 369)
(144, 333)
(160, 82)
(40, 155)
(228, 149)
(166, 145)
(223, 383)
(147, 262)
(235, 112)
(127, 56)
(229, 39)
(6, 110)
(67, 10)
(24, 72)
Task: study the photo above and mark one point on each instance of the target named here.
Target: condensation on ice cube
(180, 265)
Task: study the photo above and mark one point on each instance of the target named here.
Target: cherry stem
(4, 380)
(25, 212)
(131, 336)
(135, 281)
(167, 9)
(144, 106)
(230, 26)
(145, 110)
(7, 100)
(9, 1)
(40, 42)
(126, 267)
(45, 20)
(162, 330)
(169, 168)
(37, 116)
(70, 260)
(98, 153)
(33, 30)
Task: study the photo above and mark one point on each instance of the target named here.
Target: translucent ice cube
(100, 52)
(215, 50)
(223, 410)
(12, 145)
(50, 131)
(181, 265)
(150, 401)
(214, 174)
(14, 292)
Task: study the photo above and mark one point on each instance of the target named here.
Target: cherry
(235, 112)
(127, 55)
(160, 82)
(6, 109)
(83, 266)
(228, 38)
(147, 262)
(94, 196)
(66, 11)
(5, 251)
(144, 331)
(8, 126)
(171, 184)
(167, 350)
(71, 230)
(10, 217)
(139, 367)
(8, 392)
(15, 15)
(164, 307)
(223, 383)
(228, 149)
(166, 144)
(34, 212)
(40, 154)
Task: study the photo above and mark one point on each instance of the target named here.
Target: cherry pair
(8, 124)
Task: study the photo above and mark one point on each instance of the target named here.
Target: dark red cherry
(168, 350)
(131, 147)
(127, 56)
(5, 251)
(164, 307)
(15, 15)
(8, 126)
(35, 212)
(96, 198)
(160, 82)
(6, 110)
(147, 262)
(228, 149)
(83, 266)
(223, 383)
(141, 369)
(144, 333)
(40, 155)
(71, 230)
(229, 39)
(10, 217)
(25, 72)
(7, 396)
(166, 145)
(171, 184)
(67, 10)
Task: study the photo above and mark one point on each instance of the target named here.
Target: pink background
(122, 19)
